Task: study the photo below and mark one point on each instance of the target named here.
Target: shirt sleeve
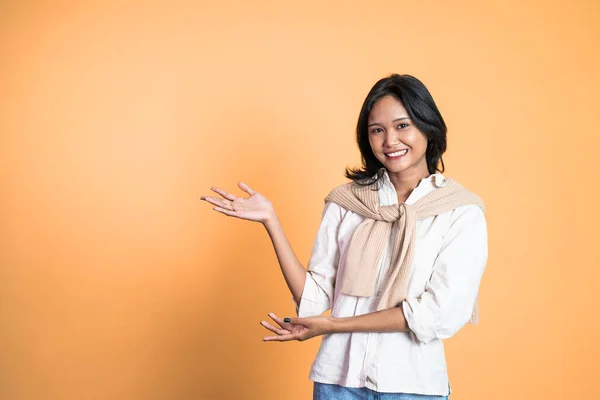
(447, 303)
(322, 266)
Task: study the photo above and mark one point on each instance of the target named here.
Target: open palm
(254, 208)
(297, 328)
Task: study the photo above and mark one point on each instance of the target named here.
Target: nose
(390, 138)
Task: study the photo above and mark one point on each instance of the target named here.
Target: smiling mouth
(396, 154)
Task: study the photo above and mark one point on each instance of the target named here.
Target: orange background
(117, 282)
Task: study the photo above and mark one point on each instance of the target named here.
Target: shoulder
(333, 209)
(465, 226)
(473, 198)
(471, 212)
(468, 211)
(468, 216)
(344, 187)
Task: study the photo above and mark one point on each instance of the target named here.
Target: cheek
(373, 143)
(417, 140)
(376, 142)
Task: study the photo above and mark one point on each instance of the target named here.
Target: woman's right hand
(255, 208)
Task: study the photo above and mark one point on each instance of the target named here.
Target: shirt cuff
(423, 331)
(313, 300)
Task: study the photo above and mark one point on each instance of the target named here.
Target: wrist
(332, 325)
(270, 220)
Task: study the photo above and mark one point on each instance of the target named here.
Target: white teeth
(398, 153)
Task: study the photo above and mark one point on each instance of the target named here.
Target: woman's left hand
(298, 328)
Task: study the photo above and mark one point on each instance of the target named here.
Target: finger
(246, 188)
(280, 338)
(281, 322)
(218, 202)
(278, 320)
(274, 329)
(223, 193)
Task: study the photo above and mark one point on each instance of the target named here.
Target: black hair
(421, 109)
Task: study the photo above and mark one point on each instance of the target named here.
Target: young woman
(398, 257)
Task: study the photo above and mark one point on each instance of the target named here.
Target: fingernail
(286, 319)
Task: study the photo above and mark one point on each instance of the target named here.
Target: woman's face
(391, 131)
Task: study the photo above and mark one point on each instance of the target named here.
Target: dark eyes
(377, 130)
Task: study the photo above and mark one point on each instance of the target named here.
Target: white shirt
(449, 258)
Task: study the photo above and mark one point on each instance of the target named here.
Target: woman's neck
(406, 181)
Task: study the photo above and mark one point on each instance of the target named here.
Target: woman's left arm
(390, 320)
(439, 312)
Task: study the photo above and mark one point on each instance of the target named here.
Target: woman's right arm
(293, 271)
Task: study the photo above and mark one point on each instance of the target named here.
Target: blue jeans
(326, 391)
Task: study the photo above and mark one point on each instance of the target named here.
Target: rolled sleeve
(447, 303)
(322, 266)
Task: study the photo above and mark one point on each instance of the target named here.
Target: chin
(397, 168)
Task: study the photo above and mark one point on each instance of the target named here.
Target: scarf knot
(394, 212)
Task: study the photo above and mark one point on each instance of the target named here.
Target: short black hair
(421, 109)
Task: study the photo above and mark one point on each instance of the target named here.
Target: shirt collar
(388, 195)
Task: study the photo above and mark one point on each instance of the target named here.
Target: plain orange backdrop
(117, 282)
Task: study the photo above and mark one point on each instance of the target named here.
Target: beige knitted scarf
(370, 237)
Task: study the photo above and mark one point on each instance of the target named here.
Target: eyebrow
(397, 119)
